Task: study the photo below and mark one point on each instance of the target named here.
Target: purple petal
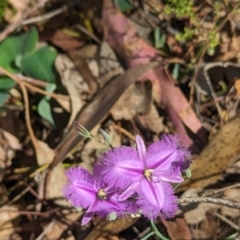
(167, 176)
(79, 190)
(111, 204)
(128, 192)
(163, 153)
(141, 147)
(75, 173)
(104, 207)
(89, 213)
(153, 192)
(120, 167)
(168, 206)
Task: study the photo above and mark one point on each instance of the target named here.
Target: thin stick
(27, 112)
(230, 223)
(45, 16)
(31, 87)
(210, 193)
(219, 201)
(27, 116)
(39, 90)
(16, 198)
(209, 82)
(44, 214)
(124, 131)
(32, 80)
(84, 30)
(51, 14)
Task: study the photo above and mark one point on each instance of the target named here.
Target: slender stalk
(157, 232)
(175, 187)
(148, 236)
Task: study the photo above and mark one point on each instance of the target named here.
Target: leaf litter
(114, 86)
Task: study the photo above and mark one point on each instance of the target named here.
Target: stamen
(148, 174)
(101, 194)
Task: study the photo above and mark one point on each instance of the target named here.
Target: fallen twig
(51, 14)
(230, 223)
(19, 79)
(219, 201)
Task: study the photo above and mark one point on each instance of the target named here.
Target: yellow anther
(101, 194)
(148, 174)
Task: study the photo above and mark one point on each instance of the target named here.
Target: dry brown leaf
(65, 41)
(7, 232)
(221, 152)
(236, 43)
(9, 143)
(4, 194)
(237, 86)
(109, 66)
(7, 228)
(136, 99)
(83, 67)
(44, 153)
(208, 229)
(56, 180)
(112, 227)
(198, 214)
(116, 138)
(13, 142)
(19, 7)
(2, 155)
(58, 227)
(70, 78)
(152, 120)
(89, 51)
(177, 229)
(234, 169)
(9, 213)
(232, 194)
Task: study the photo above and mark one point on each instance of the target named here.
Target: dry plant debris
(128, 67)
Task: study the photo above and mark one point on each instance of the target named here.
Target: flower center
(101, 194)
(148, 174)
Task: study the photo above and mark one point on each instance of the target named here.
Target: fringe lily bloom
(85, 191)
(129, 181)
(147, 173)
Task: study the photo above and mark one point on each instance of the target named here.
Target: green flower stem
(175, 187)
(157, 232)
(148, 236)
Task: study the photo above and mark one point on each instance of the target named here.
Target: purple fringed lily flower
(147, 173)
(83, 190)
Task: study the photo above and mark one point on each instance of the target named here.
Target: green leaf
(3, 6)
(124, 5)
(18, 61)
(17, 46)
(44, 110)
(6, 83)
(106, 137)
(175, 72)
(44, 107)
(40, 64)
(159, 38)
(3, 98)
